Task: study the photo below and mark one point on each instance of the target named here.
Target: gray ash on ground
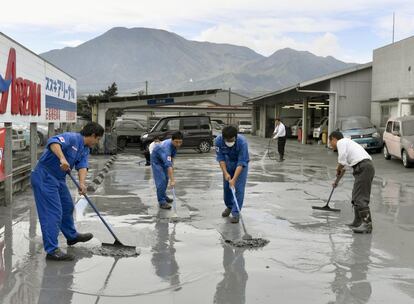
(115, 251)
(249, 244)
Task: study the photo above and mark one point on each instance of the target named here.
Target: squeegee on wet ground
(117, 244)
(326, 207)
(247, 240)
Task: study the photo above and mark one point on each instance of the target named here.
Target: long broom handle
(94, 208)
(338, 178)
(174, 200)
(238, 208)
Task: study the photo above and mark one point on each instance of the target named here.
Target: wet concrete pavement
(312, 256)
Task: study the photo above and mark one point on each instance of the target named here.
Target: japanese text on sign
(61, 88)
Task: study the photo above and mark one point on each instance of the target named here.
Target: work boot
(165, 206)
(281, 159)
(81, 237)
(169, 200)
(366, 225)
(234, 219)
(357, 219)
(226, 212)
(59, 255)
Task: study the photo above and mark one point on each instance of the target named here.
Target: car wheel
(204, 146)
(40, 139)
(386, 154)
(405, 159)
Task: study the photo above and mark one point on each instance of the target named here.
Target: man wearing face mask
(233, 156)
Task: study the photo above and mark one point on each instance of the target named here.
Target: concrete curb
(101, 175)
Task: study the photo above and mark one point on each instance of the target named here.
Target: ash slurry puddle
(248, 244)
(118, 252)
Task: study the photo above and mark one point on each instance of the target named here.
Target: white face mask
(229, 144)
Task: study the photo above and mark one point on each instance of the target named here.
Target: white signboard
(31, 89)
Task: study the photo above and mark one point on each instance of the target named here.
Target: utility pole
(229, 115)
(393, 26)
(146, 87)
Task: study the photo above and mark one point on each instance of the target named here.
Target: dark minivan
(196, 131)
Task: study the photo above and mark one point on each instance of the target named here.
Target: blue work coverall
(235, 156)
(53, 200)
(161, 160)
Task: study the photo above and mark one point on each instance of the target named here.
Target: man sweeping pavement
(233, 156)
(53, 200)
(162, 157)
(352, 154)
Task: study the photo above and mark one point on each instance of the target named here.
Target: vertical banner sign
(2, 140)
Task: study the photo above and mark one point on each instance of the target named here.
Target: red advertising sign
(2, 140)
(25, 94)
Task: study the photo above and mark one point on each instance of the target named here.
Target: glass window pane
(389, 126)
(173, 125)
(190, 123)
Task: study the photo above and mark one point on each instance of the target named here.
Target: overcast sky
(347, 30)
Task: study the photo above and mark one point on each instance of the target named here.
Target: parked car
(399, 139)
(196, 131)
(41, 136)
(361, 130)
(321, 127)
(298, 125)
(245, 126)
(220, 122)
(216, 128)
(18, 140)
(127, 131)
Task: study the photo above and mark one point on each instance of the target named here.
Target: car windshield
(355, 123)
(244, 123)
(408, 128)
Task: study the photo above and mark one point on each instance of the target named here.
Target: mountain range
(169, 62)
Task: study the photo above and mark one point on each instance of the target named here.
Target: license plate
(364, 145)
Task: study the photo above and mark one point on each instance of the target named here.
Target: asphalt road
(312, 257)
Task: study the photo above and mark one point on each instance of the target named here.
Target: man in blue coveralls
(162, 166)
(53, 199)
(233, 157)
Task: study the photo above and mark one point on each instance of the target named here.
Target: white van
(245, 126)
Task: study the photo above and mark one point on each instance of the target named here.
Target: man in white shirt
(148, 150)
(280, 134)
(351, 154)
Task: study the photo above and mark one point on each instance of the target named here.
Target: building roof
(168, 95)
(394, 43)
(40, 57)
(322, 78)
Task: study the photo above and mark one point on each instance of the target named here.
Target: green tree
(85, 105)
(111, 91)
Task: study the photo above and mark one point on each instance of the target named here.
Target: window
(204, 123)
(385, 114)
(190, 123)
(173, 125)
(396, 127)
(389, 127)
